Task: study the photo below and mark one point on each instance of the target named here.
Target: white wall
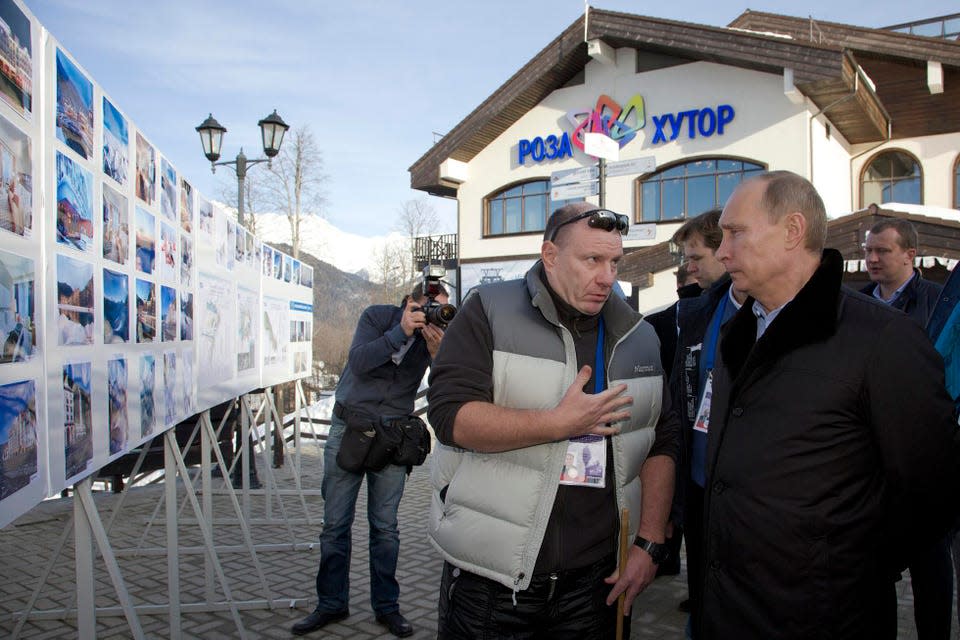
(830, 166)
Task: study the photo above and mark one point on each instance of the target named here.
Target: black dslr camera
(436, 313)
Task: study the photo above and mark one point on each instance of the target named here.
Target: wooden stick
(622, 567)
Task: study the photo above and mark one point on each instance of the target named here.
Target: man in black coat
(890, 249)
(832, 451)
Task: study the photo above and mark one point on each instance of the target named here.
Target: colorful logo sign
(621, 124)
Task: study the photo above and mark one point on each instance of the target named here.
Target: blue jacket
(371, 383)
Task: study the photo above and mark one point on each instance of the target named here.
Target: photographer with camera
(370, 436)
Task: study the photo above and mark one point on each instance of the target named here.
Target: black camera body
(435, 312)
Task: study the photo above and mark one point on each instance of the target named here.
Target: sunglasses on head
(598, 219)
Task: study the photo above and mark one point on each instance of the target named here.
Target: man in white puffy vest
(532, 374)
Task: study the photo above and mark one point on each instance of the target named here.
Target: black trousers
(931, 575)
(566, 604)
(693, 530)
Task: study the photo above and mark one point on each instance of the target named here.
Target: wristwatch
(658, 552)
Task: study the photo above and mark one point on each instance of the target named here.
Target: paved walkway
(27, 545)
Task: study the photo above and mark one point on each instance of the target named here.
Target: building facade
(868, 115)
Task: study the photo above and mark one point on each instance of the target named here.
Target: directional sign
(642, 232)
(568, 176)
(599, 145)
(575, 190)
(646, 164)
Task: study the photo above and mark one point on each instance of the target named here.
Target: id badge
(585, 463)
(702, 423)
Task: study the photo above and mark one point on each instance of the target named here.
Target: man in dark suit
(833, 450)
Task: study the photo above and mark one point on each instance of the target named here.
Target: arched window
(892, 176)
(521, 208)
(690, 188)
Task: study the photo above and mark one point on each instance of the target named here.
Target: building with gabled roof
(870, 116)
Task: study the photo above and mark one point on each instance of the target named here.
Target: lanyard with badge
(585, 463)
(702, 423)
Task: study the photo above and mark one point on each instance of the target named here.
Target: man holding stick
(529, 372)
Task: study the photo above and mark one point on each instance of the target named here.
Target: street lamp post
(211, 133)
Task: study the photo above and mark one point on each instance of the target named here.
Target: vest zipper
(516, 588)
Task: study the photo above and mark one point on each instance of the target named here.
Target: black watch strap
(658, 552)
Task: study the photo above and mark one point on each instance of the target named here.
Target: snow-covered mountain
(346, 251)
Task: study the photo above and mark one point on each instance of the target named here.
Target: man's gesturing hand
(582, 413)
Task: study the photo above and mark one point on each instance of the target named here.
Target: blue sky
(373, 79)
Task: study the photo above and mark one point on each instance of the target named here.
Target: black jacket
(832, 453)
(917, 299)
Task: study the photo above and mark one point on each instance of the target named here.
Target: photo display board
(129, 302)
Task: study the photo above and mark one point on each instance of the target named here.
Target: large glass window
(690, 188)
(522, 208)
(892, 176)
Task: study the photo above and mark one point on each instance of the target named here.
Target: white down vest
(489, 511)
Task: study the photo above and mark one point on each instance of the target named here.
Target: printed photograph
(116, 226)
(168, 314)
(216, 329)
(148, 382)
(116, 142)
(146, 240)
(186, 316)
(117, 404)
(287, 268)
(205, 207)
(276, 336)
(168, 252)
(186, 206)
(295, 279)
(146, 184)
(74, 204)
(76, 302)
(77, 419)
(16, 178)
(231, 248)
(186, 261)
(18, 436)
(74, 107)
(187, 406)
(146, 311)
(18, 329)
(169, 388)
(220, 240)
(249, 256)
(246, 330)
(116, 307)
(257, 251)
(16, 77)
(306, 276)
(277, 264)
(240, 244)
(168, 190)
(267, 261)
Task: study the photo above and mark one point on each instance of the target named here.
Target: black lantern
(272, 128)
(211, 137)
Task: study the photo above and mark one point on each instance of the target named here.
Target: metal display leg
(87, 523)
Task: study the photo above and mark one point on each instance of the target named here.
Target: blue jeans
(340, 489)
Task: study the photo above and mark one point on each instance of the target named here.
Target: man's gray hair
(787, 192)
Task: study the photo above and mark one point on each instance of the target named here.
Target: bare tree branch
(297, 187)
